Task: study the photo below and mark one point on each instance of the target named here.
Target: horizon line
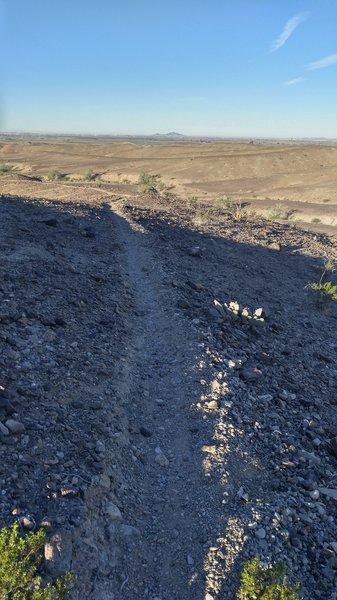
(154, 135)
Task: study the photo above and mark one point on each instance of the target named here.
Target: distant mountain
(171, 134)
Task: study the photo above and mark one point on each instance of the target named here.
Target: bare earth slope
(164, 443)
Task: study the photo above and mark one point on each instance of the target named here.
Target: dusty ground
(161, 441)
(299, 179)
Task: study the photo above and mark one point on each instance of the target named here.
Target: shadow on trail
(242, 450)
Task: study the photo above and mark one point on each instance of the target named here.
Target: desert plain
(284, 180)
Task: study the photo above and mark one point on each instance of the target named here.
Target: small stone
(100, 447)
(113, 511)
(46, 524)
(215, 386)
(331, 493)
(195, 251)
(161, 458)
(212, 405)
(334, 546)
(3, 429)
(190, 560)
(235, 363)
(209, 449)
(260, 533)
(15, 427)
(145, 432)
(129, 531)
(242, 494)
(314, 494)
(275, 246)
(105, 481)
(251, 374)
(27, 522)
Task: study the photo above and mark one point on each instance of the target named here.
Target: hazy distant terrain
(300, 178)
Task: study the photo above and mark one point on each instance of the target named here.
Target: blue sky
(200, 67)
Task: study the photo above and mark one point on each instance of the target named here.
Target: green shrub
(323, 293)
(278, 212)
(226, 203)
(147, 182)
(20, 560)
(54, 175)
(259, 583)
(316, 220)
(201, 217)
(89, 175)
(236, 209)
(5, 168)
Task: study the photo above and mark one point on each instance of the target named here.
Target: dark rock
(145, 432)
(50, 222)
(250, 374)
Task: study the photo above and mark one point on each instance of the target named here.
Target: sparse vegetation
(20, 560)
(147, 182)
(270, 583)
(235, 208)
(324, 291)
(201, 217)
(54, 175)
(278, 211)
(316, 220)
(89, 175)
(6, 168)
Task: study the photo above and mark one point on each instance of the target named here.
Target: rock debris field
(160, 439)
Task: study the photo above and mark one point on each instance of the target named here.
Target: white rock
(113, 511)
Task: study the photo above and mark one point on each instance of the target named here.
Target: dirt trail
(173, 498)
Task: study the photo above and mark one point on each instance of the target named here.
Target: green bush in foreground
(258, 583)
(20, 560)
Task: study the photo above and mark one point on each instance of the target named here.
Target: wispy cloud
(293, 81)
(327, 61)
(288, 29)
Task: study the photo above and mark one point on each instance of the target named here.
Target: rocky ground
(160, 440)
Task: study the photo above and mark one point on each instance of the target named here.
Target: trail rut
(173, 496)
